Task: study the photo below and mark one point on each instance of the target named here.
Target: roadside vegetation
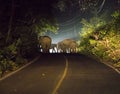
(21, 24)
(19, 34)
(100, 39)
(20, 45)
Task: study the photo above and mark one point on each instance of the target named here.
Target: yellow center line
(62, 78)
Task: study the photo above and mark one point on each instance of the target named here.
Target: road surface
(63, 74)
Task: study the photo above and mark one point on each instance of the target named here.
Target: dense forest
(21, 24)
(101, 39)
(20, 27)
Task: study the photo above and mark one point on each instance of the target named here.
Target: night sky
(70, 18)
(67, 12)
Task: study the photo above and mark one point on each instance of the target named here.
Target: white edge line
(112, 67)
(10, 74)
(62, 78)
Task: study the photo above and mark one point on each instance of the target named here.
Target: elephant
(73, 46)
(45, 43)
(67, 46)
(61, 47)
(54, 48)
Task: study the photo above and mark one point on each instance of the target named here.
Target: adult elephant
(67, 46)
(73, 47)
(45, 43)
(61, 47)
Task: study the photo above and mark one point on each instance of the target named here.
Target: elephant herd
(65, 46)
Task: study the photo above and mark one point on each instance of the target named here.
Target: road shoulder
(24, 66)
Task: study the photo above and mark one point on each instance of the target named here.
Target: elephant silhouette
(45, 43)
(67, 46)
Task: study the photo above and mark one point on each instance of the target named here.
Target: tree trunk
(10, 22)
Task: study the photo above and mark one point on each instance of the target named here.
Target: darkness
(67, 13)
(21, 7)
(47, 8)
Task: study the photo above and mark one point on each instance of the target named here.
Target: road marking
(10, 74)
(111, 67)
(62, 78)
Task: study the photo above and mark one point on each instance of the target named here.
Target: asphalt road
(63, 74)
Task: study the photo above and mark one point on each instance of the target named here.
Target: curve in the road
(62, 77)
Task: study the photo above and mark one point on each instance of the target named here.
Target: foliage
(103, 41)
(91, 26)
(89, 34)
(19, 31)
(43, 25)
(6, 62)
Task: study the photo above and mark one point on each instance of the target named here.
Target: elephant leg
(46, 49)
